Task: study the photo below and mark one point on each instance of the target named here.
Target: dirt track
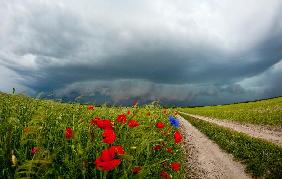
(263, 132)
(204, 158)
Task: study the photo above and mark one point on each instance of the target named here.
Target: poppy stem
(105, 175)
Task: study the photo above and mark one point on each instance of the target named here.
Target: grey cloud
(48, 31)
(164, 66)
(235, 89)
(125, 91)
(267, 84)
(144, 51)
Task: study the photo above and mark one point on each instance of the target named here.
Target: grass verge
(262, 159)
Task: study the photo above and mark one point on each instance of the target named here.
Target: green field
(35, 140)
(267, 112)
(43, 138)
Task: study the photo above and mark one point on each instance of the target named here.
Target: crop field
(42, 138)
(267, 112)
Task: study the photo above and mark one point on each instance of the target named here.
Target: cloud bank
(180, 52)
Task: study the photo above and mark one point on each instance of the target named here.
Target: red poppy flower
(68, 133)
(169, 150)
(117, 149)
(104, 124)
(177, 137)
(128, 112)
(107, 159)
(133, 123)
(107, 155)
(109, 136)
(160, 125)
(110, 153)
(175, 166)
(94, 121)
(136, 170)
(121, 118)
(157, 147)
(34, 150)
(106, 165)
(165, 175)
(90, 107)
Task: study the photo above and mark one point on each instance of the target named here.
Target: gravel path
(273, 135)
(204, 158)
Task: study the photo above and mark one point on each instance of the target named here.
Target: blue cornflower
(173, 121)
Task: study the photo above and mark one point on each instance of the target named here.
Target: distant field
(41, 138)
(261, 112)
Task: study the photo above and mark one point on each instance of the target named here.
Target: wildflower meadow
(41, 138)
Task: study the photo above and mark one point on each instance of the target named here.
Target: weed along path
(273, 135)
(204, 157)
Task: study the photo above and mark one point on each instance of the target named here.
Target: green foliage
(261, 112)
(27, 123)
(263, 159)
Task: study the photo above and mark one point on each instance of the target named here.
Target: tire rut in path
(204, 157)
(267, 133)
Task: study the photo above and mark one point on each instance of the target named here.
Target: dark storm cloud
(161, 66)
(267, 84)
(108, 54)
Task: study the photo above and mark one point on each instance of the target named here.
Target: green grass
(27, 123)
(262, 158)
(261, 112)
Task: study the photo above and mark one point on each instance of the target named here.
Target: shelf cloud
(179, 52)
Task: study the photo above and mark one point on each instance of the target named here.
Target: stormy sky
(180, 52)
